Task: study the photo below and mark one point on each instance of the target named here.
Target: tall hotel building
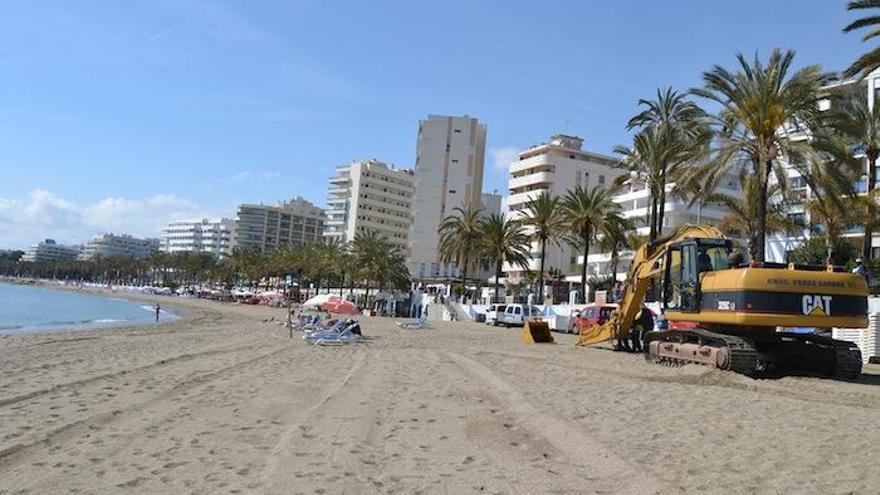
(369, 195)
(555, 168)
(448, 174)
(207, 235)
(267, 228)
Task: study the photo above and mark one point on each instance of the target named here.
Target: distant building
(369, 195)
(111, 246)
(49, 250)
(208, 235)
(448, 174)
(266, 228)
(491, 203)
(555, 168)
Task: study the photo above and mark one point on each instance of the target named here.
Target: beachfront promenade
(222, 402)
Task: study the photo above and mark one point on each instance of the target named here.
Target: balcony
(538, 178)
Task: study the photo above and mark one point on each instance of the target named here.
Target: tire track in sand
(280, 452)
(562, 435)
(18, 453)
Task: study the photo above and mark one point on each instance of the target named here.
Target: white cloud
(248, 175)
(502, 157)
(43, 215)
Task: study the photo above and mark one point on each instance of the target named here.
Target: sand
(221, 402)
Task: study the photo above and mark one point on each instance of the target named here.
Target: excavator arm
(647, 264)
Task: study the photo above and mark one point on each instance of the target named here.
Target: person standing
(158, 309)
(860, 268)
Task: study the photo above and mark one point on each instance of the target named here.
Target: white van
(515, 315)
(494, 314)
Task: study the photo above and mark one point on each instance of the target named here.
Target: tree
(681, 137)
(746, 213)
(547, 224)
(858, 126)
(616, 236)
(378, 261)
(698, 187)
(503, 240)
(870, 61)
(762, 107)
(460, 238)
(586, 213)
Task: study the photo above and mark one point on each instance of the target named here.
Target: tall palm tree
(745, 212)
(616, 236)
(858, 126)
(544, 217)
(378, 261)
(698, 187)
(460, 238)
(503, 240)
(681, 124)
(870, 61)
(762, 107)
(586, 212)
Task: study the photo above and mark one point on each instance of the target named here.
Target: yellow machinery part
(537, 332)
(595, 334)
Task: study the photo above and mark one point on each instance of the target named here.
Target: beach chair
(418, 324)
(350, 334)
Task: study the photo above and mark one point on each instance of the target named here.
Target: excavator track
(775, 355)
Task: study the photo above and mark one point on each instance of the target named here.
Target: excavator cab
(685, 262)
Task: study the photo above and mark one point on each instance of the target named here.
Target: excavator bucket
(595, 334)
(537, 332)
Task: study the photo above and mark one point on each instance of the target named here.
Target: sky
(119, 116)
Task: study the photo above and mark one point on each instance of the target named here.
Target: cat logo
(816, 305)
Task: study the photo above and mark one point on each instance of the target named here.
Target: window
(457, 131)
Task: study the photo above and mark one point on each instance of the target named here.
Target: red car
(593, 314)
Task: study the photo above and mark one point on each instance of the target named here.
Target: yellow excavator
(734, 317)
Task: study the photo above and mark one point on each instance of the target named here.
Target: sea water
(36, 309)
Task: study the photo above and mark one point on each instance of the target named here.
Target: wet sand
(221, 402)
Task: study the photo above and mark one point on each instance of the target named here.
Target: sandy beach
(221, 402)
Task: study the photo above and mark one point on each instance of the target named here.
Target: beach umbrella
(342, 307)
(320, 299)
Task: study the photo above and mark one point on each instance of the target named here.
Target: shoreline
(176, 313)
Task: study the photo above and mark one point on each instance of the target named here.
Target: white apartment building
(266, 228)
(491, 203)
(450, 156)
(635, 203)
(779, 245)
(554, 167)
(111, 246)
(369, 195)
(49, 250)
(208, 235)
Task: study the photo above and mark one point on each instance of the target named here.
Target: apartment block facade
(112, 245)
(450, 157)
(369, 195)
(49, 250)
(267, 228)
(554, 167)
(207, 235)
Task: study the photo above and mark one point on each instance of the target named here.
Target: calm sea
(34, 309)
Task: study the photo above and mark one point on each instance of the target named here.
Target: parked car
(515, 315)
(493, 313)
(593, 314)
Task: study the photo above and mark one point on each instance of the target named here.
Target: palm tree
(680, 125)
(697, 187)
(858, 126)
(503, 240)
(586, 212)
(745, 211)
(460, 238)
(378, 260)
(870, 61)
(762, 106)
(616, 237)
(547, 224)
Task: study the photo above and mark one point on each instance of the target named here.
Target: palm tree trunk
(872, 183)
(760, 235)
(652, 215)
(497, 276)
(661, 207)
(829, 250)
(541, 273)
(586, 240)
(341, 284)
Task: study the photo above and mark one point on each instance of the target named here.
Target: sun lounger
(419, 324)
(348, 334)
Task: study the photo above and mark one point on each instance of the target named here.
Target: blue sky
(116, 116)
